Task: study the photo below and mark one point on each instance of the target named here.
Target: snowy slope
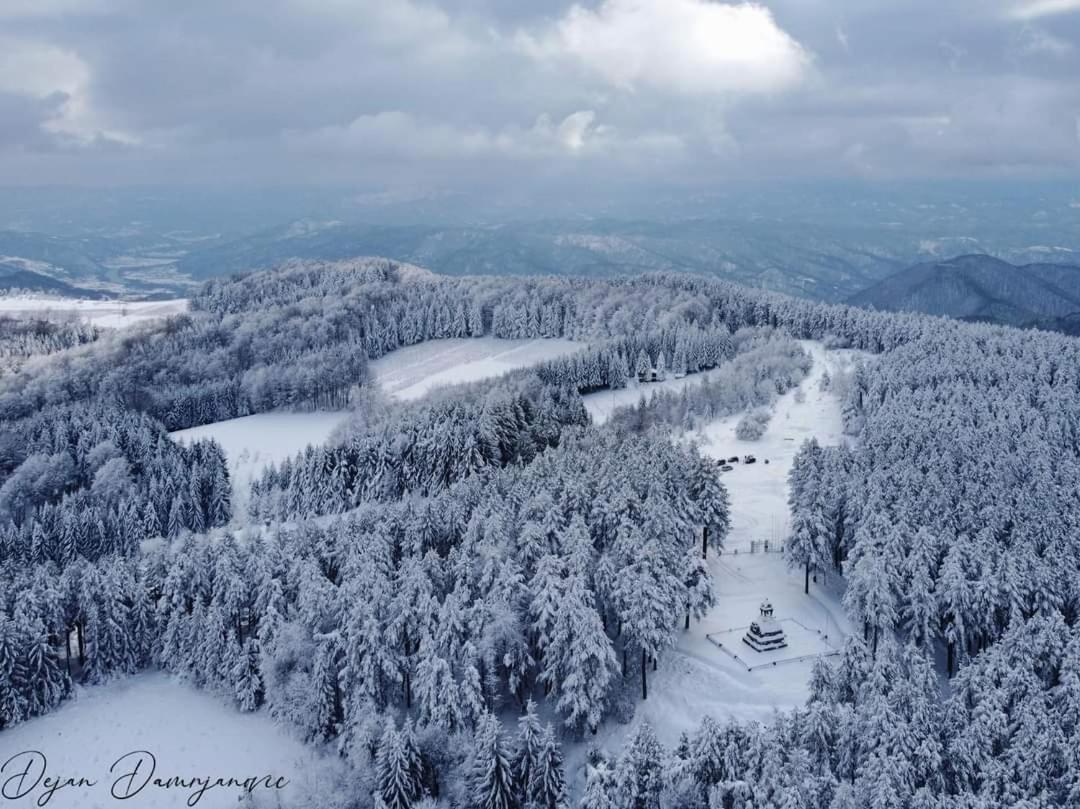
(252, 443)
(411, 372)
(698, 679)
(108, 314)
(190, 734)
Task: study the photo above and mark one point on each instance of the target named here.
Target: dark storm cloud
(461, 94)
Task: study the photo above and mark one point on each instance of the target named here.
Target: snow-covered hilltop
(531, 587)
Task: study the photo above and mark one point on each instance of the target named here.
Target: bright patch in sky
(686, 46)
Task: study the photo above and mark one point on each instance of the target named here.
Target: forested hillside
(402, 593)
(984, 288)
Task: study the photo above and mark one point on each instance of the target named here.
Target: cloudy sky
(465, 94)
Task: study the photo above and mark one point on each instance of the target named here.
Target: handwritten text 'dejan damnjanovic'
(25, 775)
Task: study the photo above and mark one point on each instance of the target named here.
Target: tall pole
(705, 542)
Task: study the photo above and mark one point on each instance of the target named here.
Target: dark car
(749, 459)
(726, 468)
(733, 459)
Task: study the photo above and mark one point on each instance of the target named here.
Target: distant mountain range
(796, 259)
(17, 274)
(141, 250)
(824, 262)
(983, 288)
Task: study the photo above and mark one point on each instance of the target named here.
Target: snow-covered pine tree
(600, 788)
(489, 781)
(547, 782)
(397, 775)
(640, 772)
(527, 750)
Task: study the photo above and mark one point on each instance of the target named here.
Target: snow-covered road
(697, 679)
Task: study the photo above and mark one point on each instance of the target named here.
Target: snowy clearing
(697, 678)
(110, 314)
(411, 372)
(758, 491)
(252, 443)
(603, 403)
(190, 734)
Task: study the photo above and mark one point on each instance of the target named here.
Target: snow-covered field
(252, 443)
(191, 734)
(697, 678)
(109, 314)
(411, 372)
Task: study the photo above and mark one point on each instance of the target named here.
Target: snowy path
(759, 491)
(190, 734)
(411, 372)
(696, 678)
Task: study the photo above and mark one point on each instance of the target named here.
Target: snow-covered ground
(697, 678)
(603, 403)
(108, 314)
(411, 372)
(759, 491)
(190, 734)
(252, 443)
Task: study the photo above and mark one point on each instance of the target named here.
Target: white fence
(729, 640)
(755, 546)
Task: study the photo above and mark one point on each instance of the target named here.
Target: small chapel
(765, 633)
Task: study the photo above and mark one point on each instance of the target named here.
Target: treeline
(549, 573)
(874, 734)
(91, 481)
(765, 364)
(955, 511)
(562, 580)
(679, 349)
(27, 336)
(300, 337)
(83, 622)
(419, 449)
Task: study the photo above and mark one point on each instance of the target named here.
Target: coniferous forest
(454, 590)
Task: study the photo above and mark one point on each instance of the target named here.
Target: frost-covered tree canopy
(487, 551)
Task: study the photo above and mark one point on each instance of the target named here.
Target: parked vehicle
(733, 459)
(726, 468)
(749, 459)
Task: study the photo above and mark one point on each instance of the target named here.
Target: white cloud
(399, 135)
(1032, 9)
(842, 38)
(40, 70)
(692, 47)
(575, 128)
(1035, 41)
